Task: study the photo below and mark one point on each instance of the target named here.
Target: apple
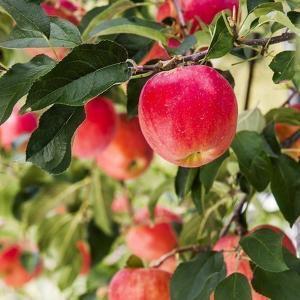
(85, 256)
(128, 155)
(150, 240)
(286, 242)
(284, 131)
(97, 130)
(120, 204)
(12, 269)
(140, 284)
(16, 126)
(188, 115)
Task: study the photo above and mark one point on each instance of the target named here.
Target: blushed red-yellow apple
(128, 155)
(188, 115)
(97, 130)
(140, 284)
(85, 257)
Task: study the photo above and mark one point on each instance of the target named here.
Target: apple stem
(196, 57)
(189, 248)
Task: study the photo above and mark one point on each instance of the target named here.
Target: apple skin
(128, 155)
(234, 263)
(85, 256)
(11, 269)
(140, 284)
(120, 205)
(286, 242)
(284, 131)
(188, 115)
(16, 126)
(97, 130)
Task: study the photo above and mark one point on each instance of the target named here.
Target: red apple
(11, 268)
(284, 131)
(150, 241)
(128, 155)
(97, 130)
(16, 126)
(166, 10)
(286, 242)
(188, 115)
(140, 284)
(85, 256)
(120, 204)
(234, 262)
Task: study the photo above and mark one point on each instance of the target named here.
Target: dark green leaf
(86, 72)
(228, 76)
(271, 139)
(283, 66)
(252, 4)
(264, 247)
(285, 185)
(254, 162)
(284, 115)
(234, 287)
(99, 242)
(30, 261)
(63, 34)
(196, 279)
(277, 286)
(222, 41)
(134, 89)
(50, 145)
(18, 80)
(28, 16)
(184, 180)
(134, 262)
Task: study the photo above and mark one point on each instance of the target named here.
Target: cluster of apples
(153, 283)
(13, 270)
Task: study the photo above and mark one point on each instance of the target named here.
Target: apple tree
(138, 161)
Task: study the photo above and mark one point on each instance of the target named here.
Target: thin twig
(190, 248)
(291, 96)
(249, 84)
(196, 57)
(235, 215)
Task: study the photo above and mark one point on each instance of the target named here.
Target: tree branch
(190, 248)
(196, 57)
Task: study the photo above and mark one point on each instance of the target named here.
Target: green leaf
(28, 16)
(285, 185)
(122, 25)
(228, 76)
(63, 34)
(251, 120)
(49, 146)
(86, 72)
(134, 262)
(234, 287)
(30, 261)
(196, 279)
(254, 162)
(100, 197)
(284, 115)
(208, 173)
(264, 247)
(187, 44)
(184, 180)
(134, 89)
(277, 286)
(222, 41)
(252, 4)
(269, 134)
(111, 11)
(100, 243)
(16, 83)
(283, 66)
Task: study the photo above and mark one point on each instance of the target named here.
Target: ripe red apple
(284, 131)
(85, 256)
(150, 240)
(140, 284)
(12, 270)
(128, 155)
(97, 130)
(166, 10)
(286, 242)
(234, 262)
(16, 126)
(188, 115)
(120, 204)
